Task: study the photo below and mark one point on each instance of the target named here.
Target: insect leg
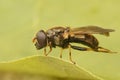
(70, 57)
(61, 52)
(101, 49)
(50, 48)
(81, 48)
(45, 51)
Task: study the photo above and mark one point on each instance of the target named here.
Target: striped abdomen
(85, 39)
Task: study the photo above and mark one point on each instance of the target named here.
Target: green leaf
(44, 68)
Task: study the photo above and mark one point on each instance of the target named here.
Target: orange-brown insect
(63, 37)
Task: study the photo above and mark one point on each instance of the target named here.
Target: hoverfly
(64, 36)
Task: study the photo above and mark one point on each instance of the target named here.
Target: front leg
(50, 46)
(45, 51)
(61, 52)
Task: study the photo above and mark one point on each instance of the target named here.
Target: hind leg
(101, 49)
(81, 48)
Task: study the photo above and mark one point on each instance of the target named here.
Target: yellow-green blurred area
(21, 19)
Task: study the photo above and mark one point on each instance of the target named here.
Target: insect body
(63, 37)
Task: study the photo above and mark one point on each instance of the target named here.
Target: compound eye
(41, 38)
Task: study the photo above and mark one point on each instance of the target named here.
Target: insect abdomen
(86, 39)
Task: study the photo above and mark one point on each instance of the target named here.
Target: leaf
(43, 68)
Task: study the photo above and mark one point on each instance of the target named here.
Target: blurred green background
(21, 19)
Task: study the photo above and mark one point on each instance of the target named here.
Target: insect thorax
(56, 37)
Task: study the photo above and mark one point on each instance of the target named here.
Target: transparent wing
(91, 30)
